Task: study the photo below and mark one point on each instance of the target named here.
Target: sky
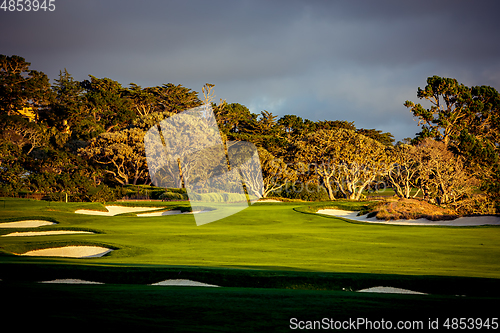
(321, 60)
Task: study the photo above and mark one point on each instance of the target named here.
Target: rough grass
(406, 209)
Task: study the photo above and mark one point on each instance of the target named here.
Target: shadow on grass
(15, 269)
(137, 308)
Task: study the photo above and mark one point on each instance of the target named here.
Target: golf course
(272, 262)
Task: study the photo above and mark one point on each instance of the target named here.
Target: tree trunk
(182, 183)
(329, 189)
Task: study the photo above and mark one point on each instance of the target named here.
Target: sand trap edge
(268, 200)
(468, 221)
(71, 251)
(183, 283)
(26, 224)
(46, 233)
(390, 290)
(71, 281)
(113, 210)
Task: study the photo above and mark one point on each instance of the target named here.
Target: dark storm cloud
(348, 60)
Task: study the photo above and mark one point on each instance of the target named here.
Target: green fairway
(277, 261)
(273, 236)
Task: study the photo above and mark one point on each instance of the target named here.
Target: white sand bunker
(180, 282)
(70, 252)
(45, 233)
(390, 290)
(459, 222)
(26, 224)
(71, 281)
(115, 210)
(268, 200)
(171, 212)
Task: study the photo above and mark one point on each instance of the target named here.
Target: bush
(57, 196)
(177, 190)
(220, 197)
(300, 191)
(173, 196)
(406, 209)
(101, 193)
(476, 204)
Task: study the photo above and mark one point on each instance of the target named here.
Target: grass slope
(274, 236)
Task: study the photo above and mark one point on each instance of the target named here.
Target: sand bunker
(71, 281)
(180, 282)
(70, 252)
(171, 212)
(26, 224)
(459, 222)
(268, 200)
(390, 290)
(45, 233)
(115, 210)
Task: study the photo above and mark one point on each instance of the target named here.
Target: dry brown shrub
(405, 209)
(476, 204)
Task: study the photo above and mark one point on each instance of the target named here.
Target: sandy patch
(171, 212)
(72, 281)
(115, 210)
(459, 222)
(268, 200)
(45, 233)
(70, 252)
(180, 282)
(26, 224)
(390, 290)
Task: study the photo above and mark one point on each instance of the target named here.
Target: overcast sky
(335, 60)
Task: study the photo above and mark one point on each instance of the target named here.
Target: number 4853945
(28, 5)
(471, 323)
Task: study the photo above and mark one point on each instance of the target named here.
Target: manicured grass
(139, 308)
(46, 269)
(269, 236)
(275, 261)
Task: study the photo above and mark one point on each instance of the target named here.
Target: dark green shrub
(306, 192)
(220, 197)
(177, 190)
(101, 193)
(173, 196)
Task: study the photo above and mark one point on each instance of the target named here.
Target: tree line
(86, 138)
